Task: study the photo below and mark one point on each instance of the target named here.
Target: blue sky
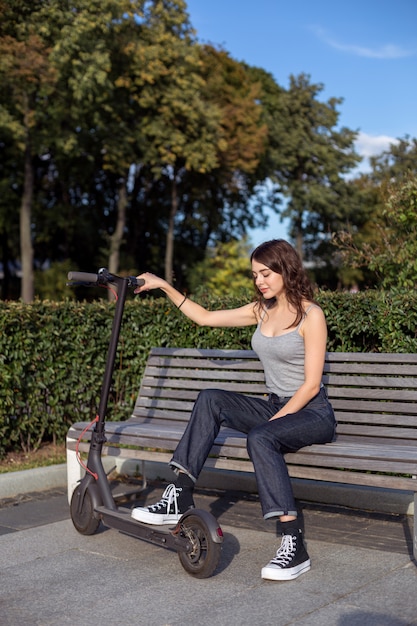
(362, 51)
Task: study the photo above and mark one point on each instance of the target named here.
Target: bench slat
(336, 370)
(368, 405)
(382, 383)
(204, 353)
(353, 417)
(199, 373)
(206, 364)
(350, 478)
(408, 434)
(149, 385)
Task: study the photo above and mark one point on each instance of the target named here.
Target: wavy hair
(280, 257)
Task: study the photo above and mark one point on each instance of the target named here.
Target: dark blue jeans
(267, 441)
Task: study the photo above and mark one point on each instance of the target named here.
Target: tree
(101, 127)
(307, 159)
(394, 163)
(55, 64)
(392, 254)
(179, 128)
(27, 78)
(361, 241)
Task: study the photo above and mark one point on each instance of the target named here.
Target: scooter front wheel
(82, 512)
(203, 557)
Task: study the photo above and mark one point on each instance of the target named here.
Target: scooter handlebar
(102, 278)
(135, 282)
(83, 277)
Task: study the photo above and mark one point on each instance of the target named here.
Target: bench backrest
(372, 394)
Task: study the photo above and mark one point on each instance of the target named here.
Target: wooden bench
(374, 397)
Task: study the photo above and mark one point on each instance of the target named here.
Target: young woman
(290, 340)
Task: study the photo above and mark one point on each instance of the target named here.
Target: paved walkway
(362, 573)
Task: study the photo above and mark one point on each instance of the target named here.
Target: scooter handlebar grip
(83, 277)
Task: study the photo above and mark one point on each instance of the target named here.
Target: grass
(46, 455)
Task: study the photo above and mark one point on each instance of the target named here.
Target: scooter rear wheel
(204, 556)
(82, 512)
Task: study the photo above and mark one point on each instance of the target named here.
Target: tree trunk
(299, 243)
(299, 235)
(117, 237)
(26, 246)
(5, 292)
(169, 253)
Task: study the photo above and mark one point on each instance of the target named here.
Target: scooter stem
(98, 438)
(122, 287)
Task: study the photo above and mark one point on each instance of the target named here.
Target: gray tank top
(282, 359)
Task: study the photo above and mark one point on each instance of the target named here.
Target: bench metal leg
(131, 490)
(144, 478)
(415, 528)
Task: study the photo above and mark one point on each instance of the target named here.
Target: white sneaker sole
(270, 572)
(143, 515)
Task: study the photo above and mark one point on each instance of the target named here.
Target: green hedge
(53, 354)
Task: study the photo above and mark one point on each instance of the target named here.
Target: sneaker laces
(169, 497)
(286, 551)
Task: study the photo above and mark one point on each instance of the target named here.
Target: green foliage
(371, 321)
(392, 164)
(50, 283)
(397, 261)
(225, 269)
(390, 249)
(53, 355)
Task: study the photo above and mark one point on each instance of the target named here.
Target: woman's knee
(208, 404)
(209, 395)
(257, 437)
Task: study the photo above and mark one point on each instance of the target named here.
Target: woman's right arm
(241, 316)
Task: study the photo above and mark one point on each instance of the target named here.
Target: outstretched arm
(241, 316)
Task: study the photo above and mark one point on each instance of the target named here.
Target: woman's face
(269, 283)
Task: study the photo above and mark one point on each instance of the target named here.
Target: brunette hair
(280, 257)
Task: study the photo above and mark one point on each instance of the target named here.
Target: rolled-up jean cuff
(280, 514)
(177, 468)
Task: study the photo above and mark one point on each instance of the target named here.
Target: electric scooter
(197, 537)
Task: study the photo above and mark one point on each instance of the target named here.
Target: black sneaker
(166, 511)
(290, 561)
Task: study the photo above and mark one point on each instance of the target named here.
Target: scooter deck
(121, 520)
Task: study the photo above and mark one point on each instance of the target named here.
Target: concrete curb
(37, 479)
